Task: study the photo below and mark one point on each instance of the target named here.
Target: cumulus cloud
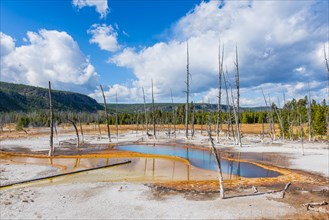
(100, 5)
(276, 41)
(105, 36)
(7, 44)
(124, 93)
(49, 55)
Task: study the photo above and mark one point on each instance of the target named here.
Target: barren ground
(82, 196)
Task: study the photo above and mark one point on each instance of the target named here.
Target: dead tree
(116, 115)
(99, 130)
(268, 115)
(217, 156)
(237, 82)
(301, 132)
(145, 112)
(153, 110)
(137, 124)
(263, 131)
(76, 132)
(81, 130)
(106, 116)
(220, 71)
(51, 116)
(174, 113)
(327, 65)
(309, 115)
(202, 116)
(187, 93)
(229, 120)
(234, 111)
(279, 116)
(192, 119)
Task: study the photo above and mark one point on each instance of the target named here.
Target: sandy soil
(75, 199)
(128, 201)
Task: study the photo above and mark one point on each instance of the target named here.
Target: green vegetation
(28, 106)
(18, 97)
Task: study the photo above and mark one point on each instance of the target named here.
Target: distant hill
(19, 97)
(130, 108)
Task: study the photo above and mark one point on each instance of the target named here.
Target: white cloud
(124, 93)
(105, 36)
(49, 55)
(7, 44)
(276, 42)
(100, 5)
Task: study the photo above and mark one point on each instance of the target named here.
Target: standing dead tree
(145, 112)
(81, 130)
(237, 82)
(187, 92)
(217, 156)
(106, 116)
(76, 132)
(327, 65)
(51, 116)
(309, 115)
(278, 113)
(116, 115)
(192, 119)
(269, 113)
(300, 130)
(153, 110)
(173, 113)
(234, 110)
(220, 73)
(228, 107)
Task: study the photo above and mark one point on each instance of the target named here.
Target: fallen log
(310, 206)
(285, 189)
(64, 174)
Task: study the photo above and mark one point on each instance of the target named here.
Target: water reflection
(205, 160)
(202, 167)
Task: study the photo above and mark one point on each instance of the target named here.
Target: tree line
(290, 114)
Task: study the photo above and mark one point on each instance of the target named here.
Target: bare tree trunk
(81, 130)
(187, 94)
(137, 122)
(237, 81)
(51, 116)
(174, 113)
(301, 132)
(228, 107)
(145, 112)
(153, 110)
(116, 115)
(107, 117)
(220, 71)
(76, 132)
(327, 65)
(192, 119)
(268, 115)
(279, 115)
(99, 131)
(234, 111)
(217, 156)
(309, 115)
(263, 130)
(202, 117)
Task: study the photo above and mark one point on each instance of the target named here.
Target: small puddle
(204, 159)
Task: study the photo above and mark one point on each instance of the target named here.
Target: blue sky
(79, 44)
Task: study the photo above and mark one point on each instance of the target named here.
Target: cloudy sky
(123, 44)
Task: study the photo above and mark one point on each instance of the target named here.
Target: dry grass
(9, 131)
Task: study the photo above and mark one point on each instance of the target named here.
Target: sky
(124, 44)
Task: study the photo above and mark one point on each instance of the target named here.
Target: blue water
(204, 159)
